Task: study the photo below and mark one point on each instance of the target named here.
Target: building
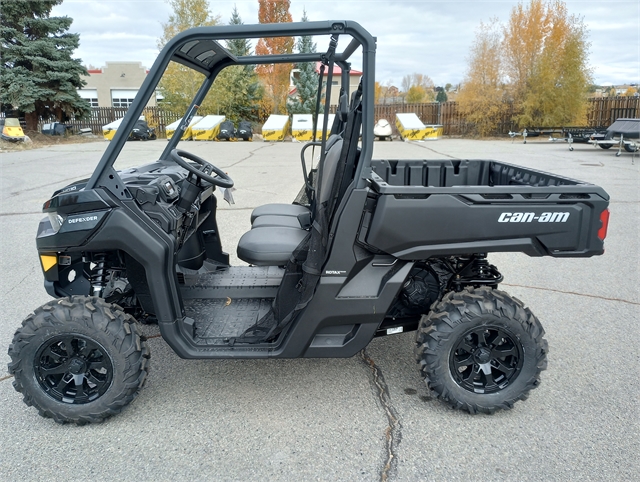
(354, 80)
(114, 85)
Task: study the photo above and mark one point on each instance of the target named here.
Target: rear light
(604, 223)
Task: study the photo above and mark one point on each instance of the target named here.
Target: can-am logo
(530, 217)
(82, 220)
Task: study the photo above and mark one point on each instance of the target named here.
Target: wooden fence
(601, 112)
(100, 116)
(604, 111)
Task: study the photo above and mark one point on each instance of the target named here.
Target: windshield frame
(105, 176)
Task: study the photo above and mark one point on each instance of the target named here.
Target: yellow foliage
(546, 63)
(179, 84)
(482, 96)
(416, 94)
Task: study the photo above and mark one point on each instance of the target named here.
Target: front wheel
(630, 148)
(78, 359)
(481, 350)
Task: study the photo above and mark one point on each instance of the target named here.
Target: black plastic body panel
(438, 208)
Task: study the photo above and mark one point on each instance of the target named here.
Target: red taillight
(604, 220)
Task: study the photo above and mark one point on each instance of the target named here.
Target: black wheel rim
(73, 369)
(486, 359)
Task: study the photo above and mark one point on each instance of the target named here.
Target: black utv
(371, 248)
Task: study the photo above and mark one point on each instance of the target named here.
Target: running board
(218, 322)
(233, 282)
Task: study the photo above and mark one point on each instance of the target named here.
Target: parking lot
(364, 418)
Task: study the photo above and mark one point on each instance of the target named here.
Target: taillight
(604, 223)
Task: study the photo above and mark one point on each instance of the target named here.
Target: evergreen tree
(239, 46)
(306, 82)
(238, 88)
(441, 96)
(38, 76)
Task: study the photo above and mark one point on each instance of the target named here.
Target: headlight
(56, 221)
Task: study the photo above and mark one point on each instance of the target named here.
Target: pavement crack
(20, 214)
(574, 293)
(416, 143)
(55, 183)
(251, 154)
(393, 432)
(21, 281)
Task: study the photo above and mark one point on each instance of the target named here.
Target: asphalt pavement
(365, 418)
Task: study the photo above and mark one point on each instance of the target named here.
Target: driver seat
(274, 245)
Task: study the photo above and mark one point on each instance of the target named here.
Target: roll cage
(200, 49)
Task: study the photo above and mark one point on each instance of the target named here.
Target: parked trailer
(275, 128)
(207, 129)
(302, 127)
(109, 130)
(433, 132)
(623, 133)
(321, 123)
(188, 133)
(410, 127)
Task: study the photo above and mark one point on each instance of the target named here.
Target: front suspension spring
(98, 274)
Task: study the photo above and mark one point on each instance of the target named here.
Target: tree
(38, 76)
(546, 53)
(441, 96)
(239, 46)
(306, 82)
(481, 97)
(378, 92)
(179, 84)
(416, 94)
(418, 87)
(275, 77)
(237, 89)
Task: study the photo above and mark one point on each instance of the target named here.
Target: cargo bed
(430, 208)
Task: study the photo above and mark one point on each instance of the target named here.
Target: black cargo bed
(427, 208)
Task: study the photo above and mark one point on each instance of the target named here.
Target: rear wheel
(630, 148)
(480, 350)
(605, 146)
(78, 359)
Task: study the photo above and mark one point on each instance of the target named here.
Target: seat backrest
(327, 171)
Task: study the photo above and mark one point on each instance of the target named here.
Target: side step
(216, 322)
(233, 282)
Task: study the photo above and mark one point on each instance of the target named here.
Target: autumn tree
(377, 92)
(417, 88)
(38, 76)
(306, 81)
(545, 60)
(481, 97)
(179, 84)
(275, 77)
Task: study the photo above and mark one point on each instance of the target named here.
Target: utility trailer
(370, 248)
(623, 134)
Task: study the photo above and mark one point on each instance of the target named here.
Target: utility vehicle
(370, 248)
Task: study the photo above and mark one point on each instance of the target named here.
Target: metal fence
(601, 112)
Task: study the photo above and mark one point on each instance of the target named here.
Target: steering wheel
(222, 179)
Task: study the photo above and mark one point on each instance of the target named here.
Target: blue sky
(424, 36)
